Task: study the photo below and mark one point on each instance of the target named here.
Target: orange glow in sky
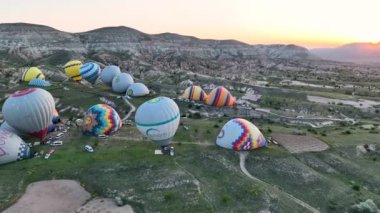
(309, 23)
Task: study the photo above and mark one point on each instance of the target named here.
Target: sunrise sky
(310, 23)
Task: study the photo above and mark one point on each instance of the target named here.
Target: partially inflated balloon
(121, 82)
(30, 111)
(90, 72)
(240, 135)
(31, 74)
(12, 147)
(137, 89)
(56, 119)
(194, 93)
(158, 119)
(108, 73)
(101, 119)
(220, 97)
(72, 70)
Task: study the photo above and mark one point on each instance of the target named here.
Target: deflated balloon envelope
(240, 135)
(30, 111)
(12, 147)
(137, 90)
(101, 119)
(158, 119)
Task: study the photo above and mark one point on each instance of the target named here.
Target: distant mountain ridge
(355, 52)
(30, 41)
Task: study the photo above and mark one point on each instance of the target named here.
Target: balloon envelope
(32, 73)
(30, 111)
(90, 72)
(158, 119)
(12, 147)
(137, 89)
(56, 119)
(240, 135)
(5, 126)
(101, 119)
(121, 82)
(194, 93)
(108, 73)
(39, 83)
(72, 70)
(220, 97)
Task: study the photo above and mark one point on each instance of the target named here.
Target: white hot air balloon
(158, 119)
(137, 90)
(5, 126)
(12, 147)
(30, 110)
(121, 82)
(108, 73)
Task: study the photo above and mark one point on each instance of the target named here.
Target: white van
(57, 143)
(59, 135)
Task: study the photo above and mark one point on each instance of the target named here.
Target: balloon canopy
(72, 70)
(220, 97)
(108, 73)
(39, 83)
(121, 82)
(31, 74)
(158, 119)
(12, 147)
(240, 135)
(194, 93)
(90, 72)
(5, 126)
(30, 111)
(101, 119)
(56, 119)
(137, 89)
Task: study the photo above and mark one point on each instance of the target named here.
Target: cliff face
(35, 41)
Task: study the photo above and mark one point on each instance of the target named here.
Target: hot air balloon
(39, 83)
(220, 97)
(240, 135)
(101, 119)
(72, 70)
(108, 73)
(90, 72)
(30, 111)
(158, 119)
(56, 119)
(121, 82)
(5, 126)
(194, 93)
(31, 74)
(12, 147)
(137, 89)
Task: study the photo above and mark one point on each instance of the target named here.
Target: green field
(202, 177)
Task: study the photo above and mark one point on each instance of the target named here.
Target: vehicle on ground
(59, 135)
(88, 148)
(49, 153)
(102, 136)
(57, 143)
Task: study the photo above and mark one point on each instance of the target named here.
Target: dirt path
(133, 109)
(243, 156)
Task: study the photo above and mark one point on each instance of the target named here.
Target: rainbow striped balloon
(101, 119)
(240, 135)
(194, 93)
(90, 72)
(220, 97)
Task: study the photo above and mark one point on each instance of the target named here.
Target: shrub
(356, 187)
(226, 198)
(216, 126)
(169, 196)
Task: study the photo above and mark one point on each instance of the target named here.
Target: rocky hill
(30, 42)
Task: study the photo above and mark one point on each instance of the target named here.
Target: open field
(300, 143)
